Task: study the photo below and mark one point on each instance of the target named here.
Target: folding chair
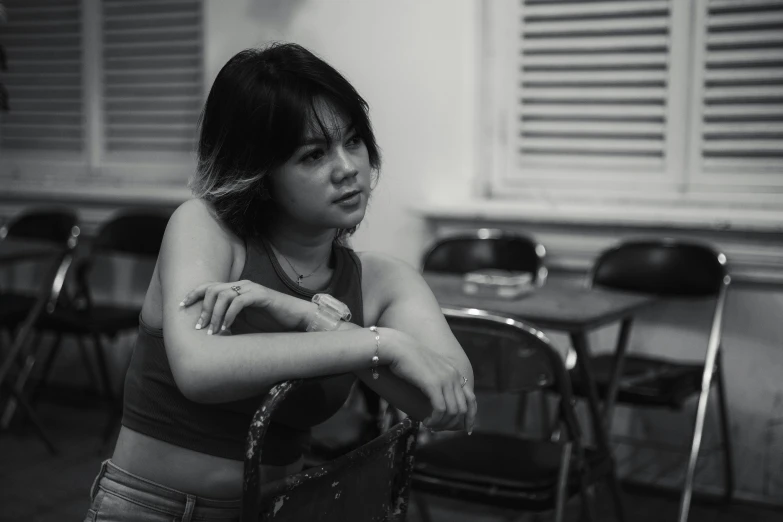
(40, 235)
(515, 471)
(371, 482)
(132, 235)
(489, 248)
(676, 269)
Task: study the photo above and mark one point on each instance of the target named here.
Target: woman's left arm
(396, 296)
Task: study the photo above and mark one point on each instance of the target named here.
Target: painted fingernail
(198, 325)
(209, 332)
(182, 303)
(223, 327)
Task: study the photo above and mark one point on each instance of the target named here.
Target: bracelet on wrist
(375, 358)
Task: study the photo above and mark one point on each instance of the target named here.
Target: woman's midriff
(187, 470)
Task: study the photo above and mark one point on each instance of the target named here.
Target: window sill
(628, 215)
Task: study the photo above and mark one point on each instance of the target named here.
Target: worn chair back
(371, 482)
(487, 249)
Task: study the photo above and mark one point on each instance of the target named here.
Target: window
(673, 102)
(103, 93)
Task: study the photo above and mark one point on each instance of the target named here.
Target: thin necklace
(299, 276)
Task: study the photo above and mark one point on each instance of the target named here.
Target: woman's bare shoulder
(196, 219)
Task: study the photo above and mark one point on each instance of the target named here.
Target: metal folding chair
(46, 235)
(368, 483)
(676, 269)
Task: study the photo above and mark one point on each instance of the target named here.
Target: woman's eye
(314, 155)
(354, 140)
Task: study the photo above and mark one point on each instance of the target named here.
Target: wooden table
(566, 308)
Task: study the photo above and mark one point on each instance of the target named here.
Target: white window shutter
(741, 133)
(592, 86)
(153, 75)
(42, 40)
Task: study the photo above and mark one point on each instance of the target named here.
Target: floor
(38, 487)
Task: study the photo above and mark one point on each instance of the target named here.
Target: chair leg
(33, 418)
(698, 430)
(562, 481)
(46, 368)
(26, 361)
(725, 426)
(617, 496)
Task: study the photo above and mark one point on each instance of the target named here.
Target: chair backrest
(55, 233)
(134, 232)
(486, 249)
(371, 482)
(53, 225)
(509, 356)
(664, 267)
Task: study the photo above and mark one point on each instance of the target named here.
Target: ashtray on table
(498, 283)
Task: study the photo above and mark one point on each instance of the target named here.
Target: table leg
(616, 373)
(579, 341)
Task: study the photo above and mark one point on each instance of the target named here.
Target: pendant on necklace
(299, 279)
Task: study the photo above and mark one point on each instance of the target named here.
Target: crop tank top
(154, 406)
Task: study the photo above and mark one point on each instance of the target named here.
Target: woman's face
(324, 184)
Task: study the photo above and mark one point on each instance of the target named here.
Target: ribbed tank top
(154, 406)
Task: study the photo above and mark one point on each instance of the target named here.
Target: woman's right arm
(221, 368)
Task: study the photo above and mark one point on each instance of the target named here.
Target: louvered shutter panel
(742, 110)
(592, 85)
(152, 66)
(42, 40)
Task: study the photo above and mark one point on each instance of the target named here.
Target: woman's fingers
(236, 306)
(195, 295)
(222, 301)
(470, 399)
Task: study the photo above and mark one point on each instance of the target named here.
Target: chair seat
(14, 308)
(646, 380)
(103, 319)
(497, 469)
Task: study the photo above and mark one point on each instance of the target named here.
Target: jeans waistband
(118, 481)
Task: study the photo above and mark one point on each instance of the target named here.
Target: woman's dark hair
(256, 116)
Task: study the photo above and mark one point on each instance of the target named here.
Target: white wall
(414, 62)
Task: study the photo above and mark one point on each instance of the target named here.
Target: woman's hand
(451, 397)
(221, 302)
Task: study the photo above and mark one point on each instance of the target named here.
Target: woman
(287, 159)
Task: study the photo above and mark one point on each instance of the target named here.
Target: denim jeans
(119, 496)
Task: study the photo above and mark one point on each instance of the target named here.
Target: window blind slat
(592, 83)
(742, 115)
(152, 61)
(42, 41)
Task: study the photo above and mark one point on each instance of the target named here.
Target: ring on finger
(237, 288)
(463, 381)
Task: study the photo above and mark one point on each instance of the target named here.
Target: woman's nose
(345, 166)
